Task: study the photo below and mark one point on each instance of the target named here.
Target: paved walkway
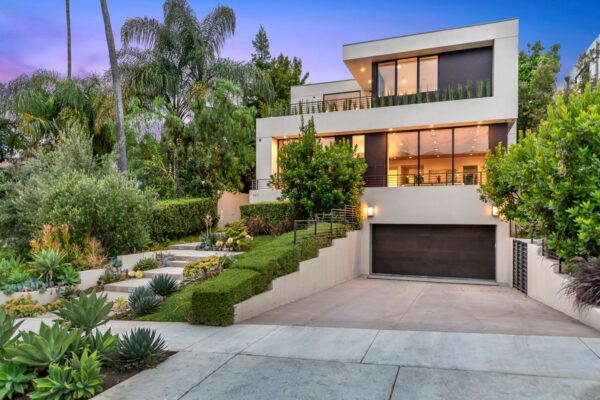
(425, 306)
(298, 362)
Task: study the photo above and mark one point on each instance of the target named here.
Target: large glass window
(436, 156)
(386, 85)
(407, 76)
(428, 74)
(402, 158)
(337, 101)
(358, 142)
(471, 144)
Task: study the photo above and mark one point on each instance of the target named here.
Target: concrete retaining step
(178, 263)
(126, 286)
(174, 272)
(184, 246)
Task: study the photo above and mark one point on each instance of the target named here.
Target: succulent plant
(13, 379)
(146, 264)
(57, 385)
(143, 301)
(68, 276)
(163, 285)
(141, 348)
(105, 344)
(87, 379)
(8, 327)
(87, 312)
(48, 263)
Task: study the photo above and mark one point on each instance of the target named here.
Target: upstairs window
(428, 74)
(407, 76)
(386, 85)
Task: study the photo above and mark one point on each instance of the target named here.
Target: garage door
(456, 251)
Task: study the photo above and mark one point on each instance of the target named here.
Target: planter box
(48, 296)
(89, 278)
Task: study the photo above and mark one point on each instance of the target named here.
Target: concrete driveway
(425, 306)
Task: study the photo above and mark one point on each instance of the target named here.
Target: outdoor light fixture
(495, 211)
(370, 211)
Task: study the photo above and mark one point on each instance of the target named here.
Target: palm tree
(178, 60)
(68, 7)
(114, 69)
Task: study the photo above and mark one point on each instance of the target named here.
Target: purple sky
(33, 33)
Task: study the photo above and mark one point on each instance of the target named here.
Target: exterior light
(369, 81)
(495, 211)
(431, 126)
(479, 122)
(362, 69)
(370, 211)
(389, 129)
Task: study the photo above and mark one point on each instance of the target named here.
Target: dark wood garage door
(455, 251)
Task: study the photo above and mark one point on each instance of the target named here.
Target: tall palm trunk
(114, 69)
(68, 7)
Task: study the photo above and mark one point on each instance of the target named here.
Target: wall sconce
(495, 212)
(370, 211)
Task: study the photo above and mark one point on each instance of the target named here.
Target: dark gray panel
(376, 158)
(459, 67)
(498, 134)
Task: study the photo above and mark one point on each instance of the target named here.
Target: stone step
(126, 286)
(174, 272)
(184, 246)
(178, 263)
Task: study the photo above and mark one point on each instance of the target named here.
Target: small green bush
(143, 301)
(146, 264)
(173, 219)
(141, 348)
(14, 379)
(163, 285)
(268, 217)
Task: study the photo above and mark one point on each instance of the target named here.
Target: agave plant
(57, 385)
(143, 301)
(87, 312)
(68, 276)
(142, 348)
(87, 379)
(163, 285)
(104, 344)
(8, 327)
(44, 348)
(13, 379)
(48, 263)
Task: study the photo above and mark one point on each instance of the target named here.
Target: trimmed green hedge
(271, 214)
(173, 219)
(250, 274)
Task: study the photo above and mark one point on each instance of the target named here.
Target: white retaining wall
(545, 285)
(334, 265)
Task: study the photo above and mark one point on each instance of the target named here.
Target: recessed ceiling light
(369, 81)
(409, 156)
(479, 122)
(434, 142)
(285, 137)
(436, 149)
(471, 154)
(403, 81)
(389, 129)
(399, 66)
(431, 126)
(362, 69)
(438, 156)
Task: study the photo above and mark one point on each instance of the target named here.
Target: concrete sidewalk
(295, 362)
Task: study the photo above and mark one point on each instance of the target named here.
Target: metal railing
(472, 90)
(262, 184)
(433, 178)
(327, 226)
(551, 254)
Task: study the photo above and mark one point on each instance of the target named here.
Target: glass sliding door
(436, 157)
(403, 168)
(470, 147)
(407, 76)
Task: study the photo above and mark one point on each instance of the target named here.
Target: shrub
(262, 218)
(22, 307)
(87, 312)
(68, 276)
(10, 265)
(143, 301)
(584, 285)
(43, 348)
(28, 285)
(163, 285)
(104, 344)
(173, 219)
(146, 264)
(235, 238)
(48, 262)
(141, 348)
(205, 268)
(8, 328)
(14, 379)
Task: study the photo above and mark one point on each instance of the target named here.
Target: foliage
(143, 301)
(22, 307)
(549, 182)
(14, 379)
(584, 285)
(316, 179)
(537, 83)
(218, 144)
(141, 348)
(235, 238)
(205, 268)
(182, 217)
(71, 186)
(110, 276)
(146, 264)
(87, 312)
(8, 328)
(13, 270)
(68, 276)
(266, 217)
(48, 263)
(27, 285)
(213, 301)
(44, 348)
(163, 285)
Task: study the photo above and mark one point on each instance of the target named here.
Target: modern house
(577, 71)
(423, 110)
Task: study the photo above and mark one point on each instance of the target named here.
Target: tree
(316, 178)
(219, 144)
(549, 183)
(118, 95)
(68, 9)
(178, 60)
(262, 55)
(537, 84)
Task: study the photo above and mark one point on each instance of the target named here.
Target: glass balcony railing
(471, 90)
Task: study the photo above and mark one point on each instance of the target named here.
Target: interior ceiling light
(479, 122)
(403, 81)
(369, 81)
(362, 69)
(389, 129)
(431, 126)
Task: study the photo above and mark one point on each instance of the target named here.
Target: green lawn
(176, 307)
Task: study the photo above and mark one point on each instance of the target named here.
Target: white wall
(438, 205)
(545, 285)
(315, 91)
(334, 265)
(260, 196)
(228, 206)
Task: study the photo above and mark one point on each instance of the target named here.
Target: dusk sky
(33, 33)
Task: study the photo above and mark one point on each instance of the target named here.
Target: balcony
(430, 178)
(471, 90)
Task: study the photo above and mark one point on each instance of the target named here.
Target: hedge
(213, 302)
(174, 219)
(271, 213)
